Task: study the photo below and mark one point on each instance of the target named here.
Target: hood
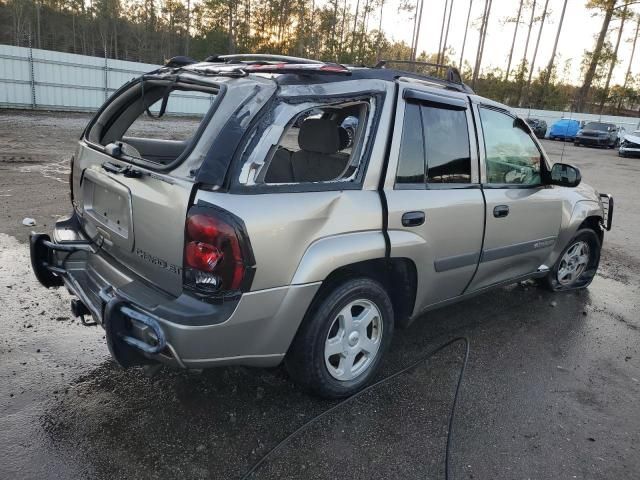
(632, 138)
(588, 192)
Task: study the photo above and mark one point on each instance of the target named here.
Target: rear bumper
(255, 330)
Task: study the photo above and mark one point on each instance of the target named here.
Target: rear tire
(342, 339)
(577, 264)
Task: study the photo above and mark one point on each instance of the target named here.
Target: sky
(579, 32)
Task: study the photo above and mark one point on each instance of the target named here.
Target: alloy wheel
(353, 340)
(573, 263)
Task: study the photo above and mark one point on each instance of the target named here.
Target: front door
(523, 215)
(436, 210)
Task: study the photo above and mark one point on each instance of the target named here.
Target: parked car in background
(564, 129)
(539, 127)
(598, 134)
(630, 145)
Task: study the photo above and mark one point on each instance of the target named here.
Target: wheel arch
(398, 276)
(585, 214)
(593, 222)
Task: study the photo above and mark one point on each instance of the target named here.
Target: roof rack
(259, 58)
(452, 75)
(243, 64)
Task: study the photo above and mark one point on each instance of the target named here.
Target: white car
(630, 145)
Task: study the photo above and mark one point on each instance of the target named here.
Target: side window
(511, 155)
(447, 145)
(434, 147)
(411, 164)
(322, 144)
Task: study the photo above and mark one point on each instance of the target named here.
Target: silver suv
(271, 233)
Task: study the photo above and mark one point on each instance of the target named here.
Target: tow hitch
(120, 321)
(79, 309)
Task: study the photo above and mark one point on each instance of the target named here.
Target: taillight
(217, 256)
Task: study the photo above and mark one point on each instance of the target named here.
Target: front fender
(330, 253)
(582, 210)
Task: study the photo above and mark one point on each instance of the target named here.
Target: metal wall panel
(32, 78)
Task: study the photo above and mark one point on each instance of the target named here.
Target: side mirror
(522, 125)
(565, 175)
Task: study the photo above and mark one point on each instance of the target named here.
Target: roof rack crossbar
(259, 57)
(452, 74)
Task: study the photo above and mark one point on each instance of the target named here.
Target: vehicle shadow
(217, 423)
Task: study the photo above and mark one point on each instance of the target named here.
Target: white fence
(43, 79)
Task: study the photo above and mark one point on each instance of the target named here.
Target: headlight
(579, 132)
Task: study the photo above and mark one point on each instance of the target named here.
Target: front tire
(341, 342)
(577, 264)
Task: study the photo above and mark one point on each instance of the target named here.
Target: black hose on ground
(424, 358)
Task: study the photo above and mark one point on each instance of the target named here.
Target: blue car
(564, 129)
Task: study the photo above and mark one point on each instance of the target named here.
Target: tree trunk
(535, 53)
(464, 40)
(355, 25)
(232, 42)
(633, 51)
(413, 33)
(614, 60)
(188, 39)
(483, 35)
(342, 28)
(446, 35)
(415, 48)
(595, 58)
(526, 48)
(513, 42)
(444, 20)
(333, 30)
(547, 76)
(379, 39)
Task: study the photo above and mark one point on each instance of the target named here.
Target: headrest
(319, 135)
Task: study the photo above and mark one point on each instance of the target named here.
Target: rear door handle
(413, 219)
(501, 211)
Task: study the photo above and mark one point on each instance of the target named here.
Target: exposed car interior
(134, 122)
(318, 146)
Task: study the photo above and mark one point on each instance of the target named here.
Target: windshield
(603, 127)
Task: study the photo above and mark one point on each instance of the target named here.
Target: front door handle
(413, 219)
(501, 211)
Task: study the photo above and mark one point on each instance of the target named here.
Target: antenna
(564, 139)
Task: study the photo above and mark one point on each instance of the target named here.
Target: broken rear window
(154, 122)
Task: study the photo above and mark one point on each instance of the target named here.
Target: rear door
(436, 209)
(139, 221)
(523, 215)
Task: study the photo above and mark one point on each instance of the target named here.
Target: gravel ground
(551, 389)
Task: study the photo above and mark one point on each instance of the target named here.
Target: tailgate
(139, 221)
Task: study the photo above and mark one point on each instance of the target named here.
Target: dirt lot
(551, 390)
